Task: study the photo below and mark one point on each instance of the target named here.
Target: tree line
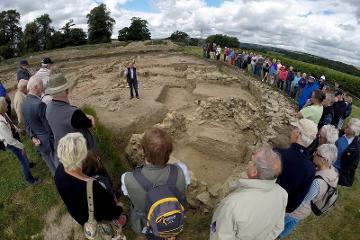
(40, 35)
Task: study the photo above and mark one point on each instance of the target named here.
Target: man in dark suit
(37, 126)
(131, 78)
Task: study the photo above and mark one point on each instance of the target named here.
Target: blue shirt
(2, 90)
(306, 93)
(342, 144)
(296, 81)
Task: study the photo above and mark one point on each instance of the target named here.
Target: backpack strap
(173, 175)
(320, 177)
(142, 180)
(90, 199)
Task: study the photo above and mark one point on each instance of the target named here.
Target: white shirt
(6, 134)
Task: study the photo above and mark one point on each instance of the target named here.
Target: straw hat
(57, 84)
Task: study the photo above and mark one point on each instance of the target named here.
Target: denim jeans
(294, 92)
(23, 161)
(290, 224)
(288, 87)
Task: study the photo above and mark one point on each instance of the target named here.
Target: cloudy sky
(328, 28)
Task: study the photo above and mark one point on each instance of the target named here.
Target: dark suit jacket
(36, 124)
(349, 162)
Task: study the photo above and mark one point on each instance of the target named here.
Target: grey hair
(328, 153)
(2, 105)
(354, 125)
(72, 150)
(267, 163)
(306, 140)
(331, 133)
(34, 82)
(329, 99)
(22, 84)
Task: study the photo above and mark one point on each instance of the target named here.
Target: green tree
(138, 31)
(123, 34)
(31, 38)
(100, 24)
(179, 36)
(73, 36)
(45, 31)
(223, 40)
(10, 34)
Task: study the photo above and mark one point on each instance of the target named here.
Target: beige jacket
(18, 100)
(255, 210)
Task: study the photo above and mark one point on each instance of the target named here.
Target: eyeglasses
(317, 154)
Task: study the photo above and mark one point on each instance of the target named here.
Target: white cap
(322, 77)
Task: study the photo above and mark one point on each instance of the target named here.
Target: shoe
(138, 97)
(36, 181)
(32, 164)
(131, 98)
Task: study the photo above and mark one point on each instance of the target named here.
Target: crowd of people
(283, 185)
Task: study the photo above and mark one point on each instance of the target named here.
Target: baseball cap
(47, 60)
(322, 77)
(24, 62)
(306, 127)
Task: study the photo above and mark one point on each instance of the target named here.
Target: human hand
(36, 141)
(93, 121)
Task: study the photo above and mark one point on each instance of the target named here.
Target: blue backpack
(163, 204)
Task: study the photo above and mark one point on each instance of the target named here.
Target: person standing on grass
(313, 110)
(348, 152)
(131, 77)
(302, 84)
(23, 72)
(10, 140)
(326, 176)
(298, 171)
(157, 146)
(289, 79)
(256, 208)
(266, 69)
(64, 118)
(272, 71)
(37, 126)
(218, 52)
(71, 184)
(306, 92)
(339, 108)
(295, 85)
(328, 112)
(4, 94)
(19, 98)
(282, 78)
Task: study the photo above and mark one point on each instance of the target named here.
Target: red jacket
(283, 74)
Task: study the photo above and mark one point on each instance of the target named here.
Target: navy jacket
(22, 73)
(128, 77)
(349, 162)
(36, 124)
(297, 174)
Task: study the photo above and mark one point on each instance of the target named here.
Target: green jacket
(157, 175)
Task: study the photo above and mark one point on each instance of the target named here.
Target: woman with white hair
(328, 134)
(71, 183)
(348, 153)
(10, 139)
(325, 176)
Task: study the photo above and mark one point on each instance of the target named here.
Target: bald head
(267, 163)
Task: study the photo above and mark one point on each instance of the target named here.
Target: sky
(327, 28)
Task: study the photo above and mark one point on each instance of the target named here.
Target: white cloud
(292, 24)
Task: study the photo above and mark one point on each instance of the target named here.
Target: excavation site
(216, 115)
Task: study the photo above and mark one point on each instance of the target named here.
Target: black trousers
(133, 85)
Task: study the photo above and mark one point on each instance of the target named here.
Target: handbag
(94, 230)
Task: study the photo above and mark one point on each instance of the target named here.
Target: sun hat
(306, 127)
(57, 84)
